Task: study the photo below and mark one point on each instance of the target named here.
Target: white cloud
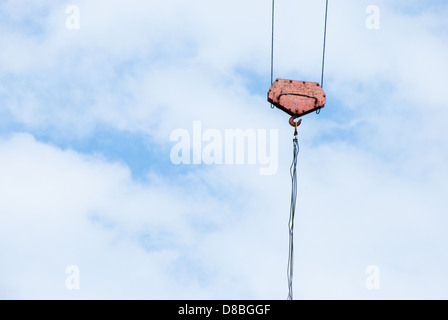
(161, 240)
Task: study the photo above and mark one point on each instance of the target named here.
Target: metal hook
(294, 123)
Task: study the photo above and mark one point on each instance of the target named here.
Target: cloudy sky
(93, 207)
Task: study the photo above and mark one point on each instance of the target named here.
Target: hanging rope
(293, 171)
(323, 50)
(324, 46)
(272, 46)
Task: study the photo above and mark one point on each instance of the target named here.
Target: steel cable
(293, 172)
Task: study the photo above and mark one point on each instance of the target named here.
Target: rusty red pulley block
(296, 98)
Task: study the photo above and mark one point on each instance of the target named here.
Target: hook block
(296, 98)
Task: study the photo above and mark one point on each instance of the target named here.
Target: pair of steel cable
(323, 46)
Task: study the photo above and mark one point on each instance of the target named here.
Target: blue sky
(87, 180)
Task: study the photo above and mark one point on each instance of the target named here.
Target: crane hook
(295, 123)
